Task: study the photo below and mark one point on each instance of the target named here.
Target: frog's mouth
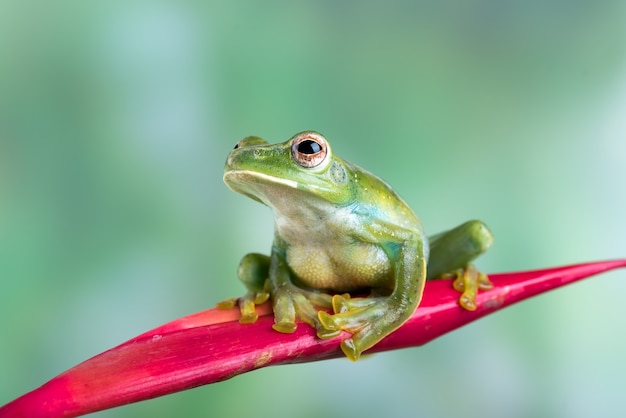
(265, 188)
(255, 185)
(237, 178)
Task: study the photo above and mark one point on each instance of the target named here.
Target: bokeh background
(116, 117)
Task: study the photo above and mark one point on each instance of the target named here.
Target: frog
(348, 253)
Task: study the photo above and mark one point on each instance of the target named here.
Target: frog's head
(302, 169)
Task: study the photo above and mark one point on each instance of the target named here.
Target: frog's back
(384, 203)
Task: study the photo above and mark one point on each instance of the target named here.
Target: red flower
(212, 346)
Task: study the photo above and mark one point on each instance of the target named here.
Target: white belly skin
(341, 269)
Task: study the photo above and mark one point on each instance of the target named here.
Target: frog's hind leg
(451, 254)
(253, 272)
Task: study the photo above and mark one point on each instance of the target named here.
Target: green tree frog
(340, 230)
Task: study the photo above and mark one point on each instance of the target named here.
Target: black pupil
(309, 147)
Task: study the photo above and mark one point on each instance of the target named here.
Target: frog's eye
(309, 149)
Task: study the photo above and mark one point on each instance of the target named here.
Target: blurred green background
(116, 117)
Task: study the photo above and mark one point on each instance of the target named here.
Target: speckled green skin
(338, 229)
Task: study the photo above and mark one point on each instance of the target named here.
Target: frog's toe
(248, 318)
(284, 311)
(350, 350)
(285, 327)
(247, 307)
(326, 334)
(327, 321)
(261, 297)
(483, 282)
(359, 342)
(344, 303)
(468, 303)
(340, 303)
(352, 321)
(227, 304)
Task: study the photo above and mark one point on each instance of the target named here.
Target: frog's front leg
(370, 320)
(291, 302)
(265, 277)
(451, 254)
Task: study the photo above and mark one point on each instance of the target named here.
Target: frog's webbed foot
(344, 302)
(469, 281)
(367, 319)
(292, 302)
(247, 305)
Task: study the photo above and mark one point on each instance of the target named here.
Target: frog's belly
(351, 267)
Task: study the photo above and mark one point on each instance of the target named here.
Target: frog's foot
(469, 281)
(247, 305)
(291, 302)
(344, 303)
(368, 320)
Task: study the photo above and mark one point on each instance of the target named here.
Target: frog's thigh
(253, 271)
(455, 249)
